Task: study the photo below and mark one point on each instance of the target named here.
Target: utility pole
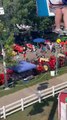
(4, 67)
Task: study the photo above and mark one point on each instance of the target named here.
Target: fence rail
(27, 101)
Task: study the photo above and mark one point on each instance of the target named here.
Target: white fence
(27, 101)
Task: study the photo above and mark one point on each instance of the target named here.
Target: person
(60, 11)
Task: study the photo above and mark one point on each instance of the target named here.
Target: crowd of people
(41, 50)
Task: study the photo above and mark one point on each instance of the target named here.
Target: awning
(39, 40)
(23, 66)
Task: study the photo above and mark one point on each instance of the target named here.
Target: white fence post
(22, 104)
(53, 90)
(4, 112)
(39, 96)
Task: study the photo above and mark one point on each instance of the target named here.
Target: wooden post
(53, 90)
(4, 112)
(39, 96)
(22, 104)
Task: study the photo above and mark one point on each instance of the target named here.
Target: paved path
(28, 91)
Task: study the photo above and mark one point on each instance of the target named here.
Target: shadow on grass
(38, 108)
(53, 110)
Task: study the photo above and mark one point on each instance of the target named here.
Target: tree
(26, 14)
(8, 50)
(1, 28)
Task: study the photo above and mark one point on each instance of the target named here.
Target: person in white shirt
(60, 11)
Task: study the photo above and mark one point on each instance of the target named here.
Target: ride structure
(43, 8)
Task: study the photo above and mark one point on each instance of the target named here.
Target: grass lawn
(47, 110)
(40, 78)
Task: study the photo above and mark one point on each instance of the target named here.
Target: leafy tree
(26, 14)
(1, 28)
(8, 49)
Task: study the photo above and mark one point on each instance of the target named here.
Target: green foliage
(24, 11)
(64, 38)
(8, 47)
(1, 27)
(9, 41)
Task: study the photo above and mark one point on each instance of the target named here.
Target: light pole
(56, 55)
(3, 52)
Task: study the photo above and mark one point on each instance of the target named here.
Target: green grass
(62, 70)
(47, 110)
(38, 79)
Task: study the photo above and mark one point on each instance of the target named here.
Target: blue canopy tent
(23, 66)
(39, 40)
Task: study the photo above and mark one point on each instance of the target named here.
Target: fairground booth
(62, 106)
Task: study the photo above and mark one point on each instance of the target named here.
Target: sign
(1, 11)
(43, 8)
(66, 100)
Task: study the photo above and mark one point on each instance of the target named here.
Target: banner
(1, 11)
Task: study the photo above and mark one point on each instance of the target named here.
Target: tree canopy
(24, 11)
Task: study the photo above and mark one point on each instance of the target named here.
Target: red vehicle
(18, 48)
(45, 64)
(8, 75)
(48, 63)
(30, 46)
